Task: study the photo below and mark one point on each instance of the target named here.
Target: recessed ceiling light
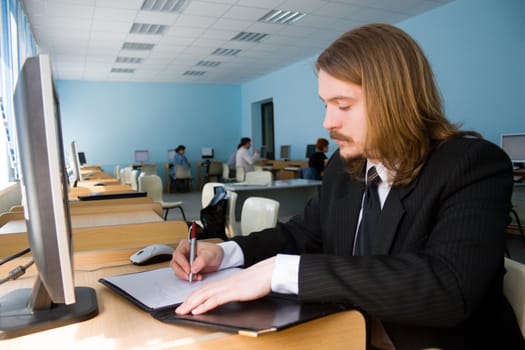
(247, 36)
(225, 52)
(122, 70)
(194, 72)
(208, 63)
(137, 46)
(121, 59)
(282, 17)
(145, 28)
(163, 5)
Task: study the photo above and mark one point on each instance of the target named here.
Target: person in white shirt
(244, 158)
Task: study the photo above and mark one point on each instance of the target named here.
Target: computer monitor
(54, 300)
(141, 156)
(310, 149)
(207, 153)
(285, 152)
(82, 158)
(74, 163)
(263, 151)
(514, 146)
(171, 154)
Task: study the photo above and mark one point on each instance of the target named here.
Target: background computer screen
(514, 146)
(54, 301)
(141, 156)
(285, 152)
(207, 152)
(310, 149)
(82, 158)
(74, 163)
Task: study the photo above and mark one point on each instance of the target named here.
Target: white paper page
(161, 287)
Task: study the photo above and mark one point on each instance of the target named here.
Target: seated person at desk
(428, 273)
(318, 159)
(244, 158)
(179, 159)
(232, 161)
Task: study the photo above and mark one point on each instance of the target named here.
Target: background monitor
(171, 154)
(285, 152)
(53, 301)
(141, 156)
(207, 153)
(514, 146)
(82, 158)
(263, 151)
(310, 149)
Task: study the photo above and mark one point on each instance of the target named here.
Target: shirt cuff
(233, 255)
(285, 277)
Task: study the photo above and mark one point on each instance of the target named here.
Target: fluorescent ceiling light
(208, 63)
(163, 5)
(251, 37)
(121, 59)
(122, 70)
(225, 52)
(146, 28)
(194, 72)
(137, 46)
(282, 17)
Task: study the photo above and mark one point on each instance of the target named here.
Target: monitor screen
(207, 152)
(54, 300)
(285, 152)
(82, 158)
(141, 156)
(310, 149)
(74, 163)
(514, 146)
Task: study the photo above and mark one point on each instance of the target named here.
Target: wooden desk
(292, 194)
(121, 325)
(289, 169)
(75, 192)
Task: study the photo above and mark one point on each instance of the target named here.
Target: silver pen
(193, 246)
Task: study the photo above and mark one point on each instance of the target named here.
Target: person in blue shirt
(179, 159)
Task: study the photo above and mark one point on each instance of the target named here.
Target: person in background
(427, 271)
(179, 159)
(243, 157)
(318, 159)
(231, 161)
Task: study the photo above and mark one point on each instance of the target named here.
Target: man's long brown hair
(404, 110)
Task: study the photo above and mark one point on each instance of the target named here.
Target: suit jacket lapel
(391, 215)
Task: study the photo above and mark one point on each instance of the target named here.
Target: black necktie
(371, 211)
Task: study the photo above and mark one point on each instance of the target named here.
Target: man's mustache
(336, 135)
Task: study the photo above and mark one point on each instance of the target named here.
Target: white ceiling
(85, 37)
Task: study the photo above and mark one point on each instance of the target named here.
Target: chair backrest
(258, 177)
(225, 171)
(230, 215)
(258, 213)
(127, 175)
(208, 192)
(215, 168)
(514, 290)
(239, 174)
(134, 180)
(309, 173)
(122, 177)
(181, 172)
(149, 169)
(116, 172)
(152, 185)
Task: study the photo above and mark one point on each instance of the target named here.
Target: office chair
(226, 174)
(514, 290)
(134, 179)
(182, 178)
(309, 173)
(116, 172)
(258, 213)
(208, 191)
(258, 177)
(152, 185)
(239, 174)
(214, 172)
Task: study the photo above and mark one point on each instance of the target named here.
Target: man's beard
(350, 163)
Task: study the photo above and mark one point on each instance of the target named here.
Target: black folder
(271, 313)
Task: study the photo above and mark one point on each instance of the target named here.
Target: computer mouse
(152, 254)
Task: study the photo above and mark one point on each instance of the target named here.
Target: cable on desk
(14, 256)
(16, 272)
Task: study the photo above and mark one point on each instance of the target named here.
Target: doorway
(267, 130)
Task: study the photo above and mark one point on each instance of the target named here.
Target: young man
(429, 273)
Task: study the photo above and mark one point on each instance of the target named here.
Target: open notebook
(159, 292)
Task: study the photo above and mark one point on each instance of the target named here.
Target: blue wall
(110, 120)
(477, 48)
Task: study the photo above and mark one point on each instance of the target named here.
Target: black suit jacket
(435, 275)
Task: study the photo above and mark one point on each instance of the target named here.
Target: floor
(515, 243)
